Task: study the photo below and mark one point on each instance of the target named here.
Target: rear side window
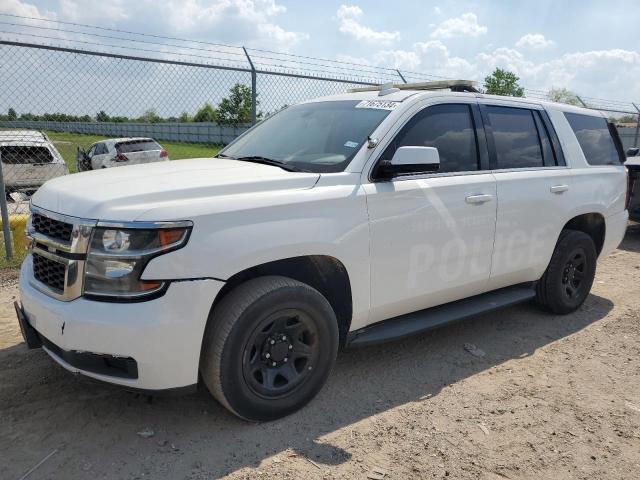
(594, 138)
(137, 146)
(13, 155)
(449, 128)
(516, 138)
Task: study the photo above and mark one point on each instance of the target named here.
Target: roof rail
(454, 85)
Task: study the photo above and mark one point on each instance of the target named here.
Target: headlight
(118, 256)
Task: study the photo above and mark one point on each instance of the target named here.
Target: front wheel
(569, 276)
(269, 347)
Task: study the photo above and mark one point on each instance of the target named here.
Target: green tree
(503, 82)
(12, 115)
(206, 114)
(102, 116)
(236, 109)
(562, 95)
(185, 117)
(150, 116)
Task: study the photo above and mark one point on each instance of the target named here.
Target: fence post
(254, 94)
(635, 139)
(6, 228)
(401, 76)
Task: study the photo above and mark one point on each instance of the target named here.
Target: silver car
(118, 152)
(28, 160)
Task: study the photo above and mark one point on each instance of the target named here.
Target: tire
(568, 279)
(269, 347)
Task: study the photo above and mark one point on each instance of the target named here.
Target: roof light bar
(454, 85)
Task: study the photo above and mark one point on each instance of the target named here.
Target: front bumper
(163, 336)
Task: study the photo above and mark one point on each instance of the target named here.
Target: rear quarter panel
(599, 188)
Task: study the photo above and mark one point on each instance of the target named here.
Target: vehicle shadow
(94, 426)
(631, 242)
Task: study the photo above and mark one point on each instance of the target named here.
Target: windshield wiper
(268, 161)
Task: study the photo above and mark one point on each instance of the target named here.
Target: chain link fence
(85, 105)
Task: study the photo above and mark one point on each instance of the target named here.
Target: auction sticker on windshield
(381, 104)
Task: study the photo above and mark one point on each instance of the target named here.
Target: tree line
(234, 109)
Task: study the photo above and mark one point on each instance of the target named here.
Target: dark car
(633, 167)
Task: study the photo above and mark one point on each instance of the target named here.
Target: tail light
(121, 157)
(163, 153)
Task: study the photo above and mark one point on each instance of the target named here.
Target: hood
(125, 193)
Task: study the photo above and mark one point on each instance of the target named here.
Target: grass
(67, 144)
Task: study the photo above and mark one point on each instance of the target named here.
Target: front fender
(330, 220)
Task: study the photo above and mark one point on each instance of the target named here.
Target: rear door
(534, 188)
(140, 151)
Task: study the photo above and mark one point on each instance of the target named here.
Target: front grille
(55, 229)
(49, 272)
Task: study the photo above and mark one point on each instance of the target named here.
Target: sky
(590, 47)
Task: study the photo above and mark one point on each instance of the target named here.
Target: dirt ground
(552, 397)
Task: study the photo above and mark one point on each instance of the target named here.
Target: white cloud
(398, 59)
(597, 73)
(17, 7)
(466, 25)
(533, 40)
(348, 16)
(94, 10)
(246, 22)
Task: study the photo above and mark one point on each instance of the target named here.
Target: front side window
(318, 137)
(449, 128)
(101, 149)
(594, 138)
(515, 136)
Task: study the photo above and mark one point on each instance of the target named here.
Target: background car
(117, 152)
(28, 160)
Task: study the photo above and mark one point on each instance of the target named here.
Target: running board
(423, 320)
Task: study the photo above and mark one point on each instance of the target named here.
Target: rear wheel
(569, 276)
(269, 347)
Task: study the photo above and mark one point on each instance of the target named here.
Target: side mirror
(633, 152)
(409, 160)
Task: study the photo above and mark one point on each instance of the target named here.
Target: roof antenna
(387, 88)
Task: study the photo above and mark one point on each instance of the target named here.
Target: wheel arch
(593, 224)
(325, 273)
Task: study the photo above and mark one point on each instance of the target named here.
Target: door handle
(477, 199)
(559, 188)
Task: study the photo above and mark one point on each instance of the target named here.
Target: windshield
(317, 137)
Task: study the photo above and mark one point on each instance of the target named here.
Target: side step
(423, 320)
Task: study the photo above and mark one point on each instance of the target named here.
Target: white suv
(28, 160)
(118, 152)
(347, 220)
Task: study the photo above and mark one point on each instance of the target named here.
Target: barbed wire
(268, 60)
